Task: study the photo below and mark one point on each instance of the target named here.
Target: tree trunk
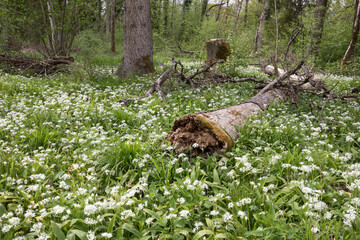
(138, 42)
(354, 37)
(166, 16)
(240, 6)
(219, 12)
(215, 131)
(259, 37)
(204, 8)
(113, 45)
(316, 34)
(107, 20)
(246, 11)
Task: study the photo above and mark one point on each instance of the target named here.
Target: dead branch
(29, 65)
(295, 32)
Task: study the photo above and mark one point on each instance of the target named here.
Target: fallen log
(215, 131)
(28, 65)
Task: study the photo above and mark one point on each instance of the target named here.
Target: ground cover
(77, 164)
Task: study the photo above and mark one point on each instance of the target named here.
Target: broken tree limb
(28, 65)
(156, 87)
(215, 131)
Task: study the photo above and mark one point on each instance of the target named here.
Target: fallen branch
(28, 65)
(156, 87)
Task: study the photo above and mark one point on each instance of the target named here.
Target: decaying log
(215, 131)
(217, 49)
(28, 65)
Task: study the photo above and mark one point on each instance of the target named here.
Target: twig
(281, 78)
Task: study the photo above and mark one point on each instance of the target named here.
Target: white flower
(181, 200)
(184, 213)
(195, 145)
(315, 229)
(179, 170)
(230, 205)
(14, 221)
(43, 236)
(90, 209)
(327, 215)
(242, 215)
(58, 209)
(90, 235)
(227, 217)
(349, 139)
(214, 212)
(6, 228)
(149, 220)
(197, 226)
(127, 214)
(171, 215)
(90, 221)
(36, 227)
(106, 235)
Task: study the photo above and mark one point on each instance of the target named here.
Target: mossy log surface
(215, 131)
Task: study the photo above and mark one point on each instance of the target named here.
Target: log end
(194, 134)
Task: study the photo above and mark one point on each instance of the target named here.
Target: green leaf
(80, 234)
(202, 233)
(216, 176)
(131, 229)
(2, 210)
(221, 235)
(57, 231)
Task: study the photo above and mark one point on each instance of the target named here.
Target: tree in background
(317, 31)
(354, 36)
(138, 41)
(53, 24)
(261, 26)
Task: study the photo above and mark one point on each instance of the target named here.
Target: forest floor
(77, 164)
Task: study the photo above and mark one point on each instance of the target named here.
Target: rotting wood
(215, 131)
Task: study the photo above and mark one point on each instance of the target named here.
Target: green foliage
(77, 164)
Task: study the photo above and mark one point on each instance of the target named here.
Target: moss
(223, 51)
(148, 64)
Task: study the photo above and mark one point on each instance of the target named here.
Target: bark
(316, 34)
(166, 16)
(219, 11)
(138, 42)
(246, 11)
(204, 8)
(354, 36)
(215, 131)
(112, 16)
(259, 37)
(107, 20)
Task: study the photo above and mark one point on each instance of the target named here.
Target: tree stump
(217, 49)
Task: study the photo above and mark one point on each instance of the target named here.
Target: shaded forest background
(93, 30)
